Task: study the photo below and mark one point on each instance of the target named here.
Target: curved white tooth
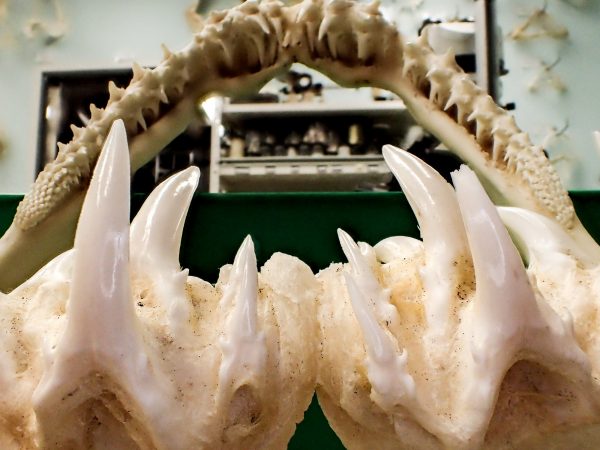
(505, 317)
(243, 345)
(366, 279)
(360, 266)
(386, 363)
(505, 300)
(156, 239)
(101, 335)
(434, 203)
(539, 235)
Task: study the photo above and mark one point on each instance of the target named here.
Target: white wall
(113, 33)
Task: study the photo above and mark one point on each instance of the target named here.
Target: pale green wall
(113, 33)
(575, 155)
(106, 34)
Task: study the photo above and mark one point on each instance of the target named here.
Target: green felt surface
(303, 225)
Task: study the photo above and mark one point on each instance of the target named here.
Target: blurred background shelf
(254, 110)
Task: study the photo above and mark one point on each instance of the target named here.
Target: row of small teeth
(242, 39)
(353, 33)
(139, 103)
(502, 321)
(493, 128)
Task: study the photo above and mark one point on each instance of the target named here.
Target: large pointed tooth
(101, 347)
(504, 298)
(505, 316)
(366, 279)
(101, 335)
(434, 203)
(386, 365)
(536, 234)
(156, 239)
(102, 243)
(243, 345)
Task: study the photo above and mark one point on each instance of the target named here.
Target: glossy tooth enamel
(506, 319)
(386, 363)
(366, 280)
(236, 52)
(102, 334)
(104, 353)
(539, 235)
(156, 235)
(513, 364)
(433, 201)
(243, 345)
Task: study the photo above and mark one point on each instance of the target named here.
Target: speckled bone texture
(137, 354)
(447, 342)
(241, 48)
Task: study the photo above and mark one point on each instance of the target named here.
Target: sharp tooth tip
(390, 153)
(345, 239)
(118, 126)
(247, 245)
(341, 233)
(191, 175)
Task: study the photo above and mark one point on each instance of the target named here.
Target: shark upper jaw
(239, 50)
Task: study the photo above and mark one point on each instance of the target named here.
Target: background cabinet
(304, 146)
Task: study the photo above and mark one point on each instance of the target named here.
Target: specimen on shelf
(113, 345)
(240, 49)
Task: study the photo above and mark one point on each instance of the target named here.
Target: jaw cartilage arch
(239, 50)
(451, 383)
